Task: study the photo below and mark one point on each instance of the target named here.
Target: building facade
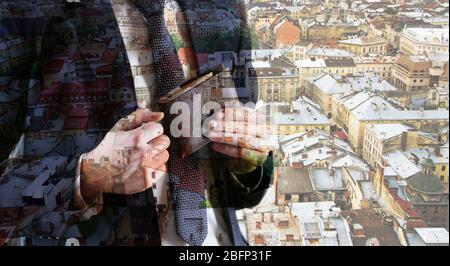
(416, 41)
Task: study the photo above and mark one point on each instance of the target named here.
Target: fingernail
(157, 157)
(220, 115)
(212, 124)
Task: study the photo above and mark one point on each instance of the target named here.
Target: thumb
(139, 117)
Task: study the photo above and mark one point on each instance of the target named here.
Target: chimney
(318, 213)
(375, 106)
(258, 225)
(421, 111)
(358, 230)
(331, 171)
(297, 165)
(437, 151)
(404, 139)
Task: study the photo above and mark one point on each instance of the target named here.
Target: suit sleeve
(38, 164)
(248, 190)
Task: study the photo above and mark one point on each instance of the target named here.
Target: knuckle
(154, 127)
(139, 111)
(164, 139)
(158, 126)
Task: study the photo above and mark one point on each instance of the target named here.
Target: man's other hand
(238, 133)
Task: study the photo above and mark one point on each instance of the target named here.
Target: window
(283, 224)
(290, 238)
(312, 230)
(259, 240)
(443, 168)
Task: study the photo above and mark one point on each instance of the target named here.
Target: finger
(157, 161)
(158, 145)
(138, 117)
(245, 114)
(146, 133)
(239, 127)
(255, 157)
(243, 141)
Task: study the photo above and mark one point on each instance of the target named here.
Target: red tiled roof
(341, 134)
(75, 88)
(411, 224)
(76, 123)
(76, 55)
(4, 233)
(60, 51)
(405, 205)
(78, 111)
(103, 69)
(108, 57)
(53, 65)
(91, 12)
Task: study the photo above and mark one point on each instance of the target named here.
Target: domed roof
(426, 183)
(427, 163)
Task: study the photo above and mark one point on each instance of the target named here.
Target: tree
(390, 11)
(399, 27)
(235, 40)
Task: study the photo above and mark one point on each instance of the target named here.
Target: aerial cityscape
(357, 90)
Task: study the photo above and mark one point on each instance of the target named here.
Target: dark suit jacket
(48, 118)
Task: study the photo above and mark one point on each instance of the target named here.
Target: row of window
(74, 99)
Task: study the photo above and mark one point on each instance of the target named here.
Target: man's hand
(238, 133)
(129, 159)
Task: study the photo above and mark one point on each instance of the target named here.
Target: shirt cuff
(86, 210)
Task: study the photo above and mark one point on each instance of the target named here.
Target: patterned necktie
(186, 181)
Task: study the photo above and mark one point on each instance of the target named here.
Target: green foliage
(430, 107)
(176, 41)
(399, 27)
(390, 11)
(239, 39)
